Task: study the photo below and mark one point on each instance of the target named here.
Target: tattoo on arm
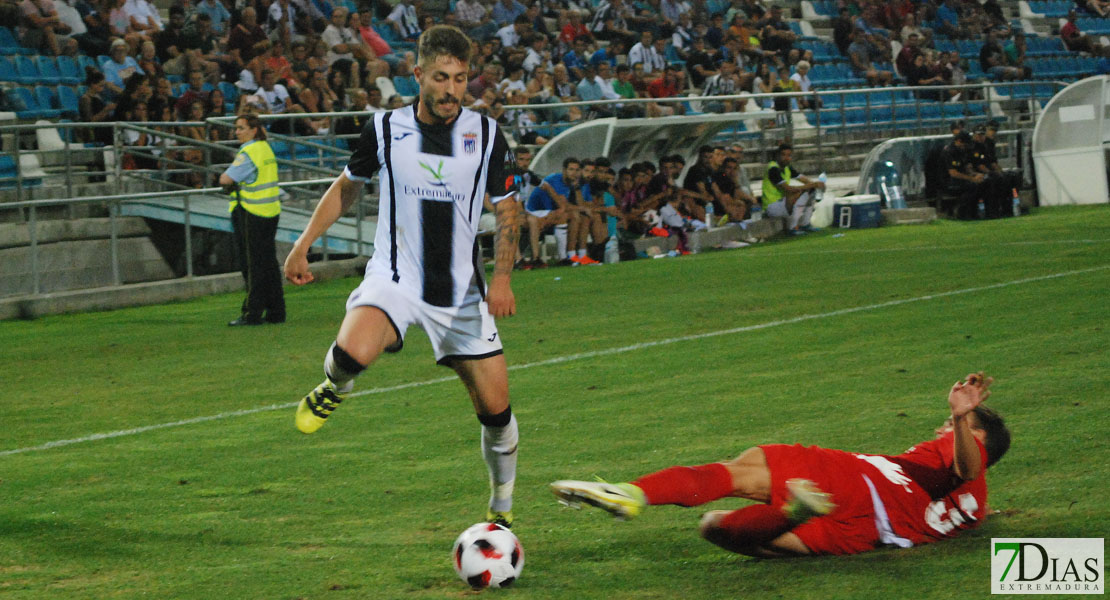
(507, 239)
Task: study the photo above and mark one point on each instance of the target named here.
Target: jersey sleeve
(501, 177)
(364, 162)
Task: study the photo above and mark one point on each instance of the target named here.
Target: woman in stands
(94, 108)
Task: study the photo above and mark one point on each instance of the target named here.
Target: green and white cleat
(315, 408)
(806, 501)
(622, 500)
(503, 518)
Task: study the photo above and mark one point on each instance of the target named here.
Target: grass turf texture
(246, 507)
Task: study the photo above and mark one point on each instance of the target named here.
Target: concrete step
(80, 264)
(58, 230)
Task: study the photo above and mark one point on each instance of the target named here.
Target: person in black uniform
(1008, 180)
(963, 182)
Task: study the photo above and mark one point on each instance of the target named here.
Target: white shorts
(539, 214)
(457, 332)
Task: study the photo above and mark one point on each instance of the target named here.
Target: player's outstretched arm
(500, 298)
(339, 197)
(962, 399)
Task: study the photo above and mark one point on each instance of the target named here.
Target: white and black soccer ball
(487, 555)
(651, 217)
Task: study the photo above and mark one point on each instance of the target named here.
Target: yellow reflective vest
(259, 197)
(771, 192)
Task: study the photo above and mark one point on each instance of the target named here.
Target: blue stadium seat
(46, 97)
(230, 90)
(69, 71)
(406, 86)
(26, 71)
(27, 106)
(7, 70)
(69, 101)
(8, 174)
(10, 45)
(85, 61)
(48, 70)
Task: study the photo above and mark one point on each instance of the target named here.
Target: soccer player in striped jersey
(435, 161)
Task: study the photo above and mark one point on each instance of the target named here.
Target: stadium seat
(7, 70)
(49, 73)
(27, 106)
(69, 72)
(46, 97)
(69, 101)
(230, 91)
(84, 62)
(406, 86)
(10, 45)
(26, 71)
(9, 174)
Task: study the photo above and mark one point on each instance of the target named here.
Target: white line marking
(562, 359)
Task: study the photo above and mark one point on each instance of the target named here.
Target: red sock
(755, 525)
(687, 486)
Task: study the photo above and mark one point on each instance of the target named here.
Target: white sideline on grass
(561, 359)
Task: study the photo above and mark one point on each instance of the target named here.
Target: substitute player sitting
(434, 162)
(820, 501)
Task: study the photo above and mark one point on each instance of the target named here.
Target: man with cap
(963, 182)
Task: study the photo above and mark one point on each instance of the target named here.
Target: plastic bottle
(757, 212)
(708, 216)
(982, 210)
(612, 251)
(1017, 203)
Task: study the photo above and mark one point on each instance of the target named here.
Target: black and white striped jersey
(432, 179)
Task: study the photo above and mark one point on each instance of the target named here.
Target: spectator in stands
(196, 132)
(343, 43)
(487, 79)
(506, 12)
(381, 48)
(784, 85)
(277, 101)
(1097, 7)
(803, 84)
(608, 54)
(512, 34)
(578, 57)
(764, 83)
(918, 73)
(610, 22)
(474, 18)
(643, 52)
(148, 59)
(215, 106)
(216, 12)
(682, 40)
(776, 35)
(197, 91)
(44, 27)
(724, 83)
(911, 28)
(538, 57)
(143, 16)
(1074, 39)
(405, 21)
(668, 85)
(247, 39)
(993, 59)
(94, 107)
(95, 40)
(169, 44)
(700, 62)
(842, 31)
(910, 49)
(862, 54)
(120, 67)
(783, 197)
(281, 21)
(204, 48)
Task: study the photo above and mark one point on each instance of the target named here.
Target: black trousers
(257, 253)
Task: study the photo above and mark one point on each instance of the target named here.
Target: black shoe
(275, 320)
(244, 321)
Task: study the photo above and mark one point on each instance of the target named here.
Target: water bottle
(982, 210)
(709, 216)
(757, 212)
(612, 251)
(1017, 203)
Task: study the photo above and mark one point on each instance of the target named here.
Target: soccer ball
(651, 217)
(487, 555)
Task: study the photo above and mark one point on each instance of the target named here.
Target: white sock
(499, 450)
(581, 252)
(561, 240)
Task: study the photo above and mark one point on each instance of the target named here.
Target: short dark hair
(783, 147)
(440, 40)
(602, 161)
(570, 160)
(588, 162)
(622, 69)
(998, 436)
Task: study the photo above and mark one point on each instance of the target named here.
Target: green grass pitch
(842, 341)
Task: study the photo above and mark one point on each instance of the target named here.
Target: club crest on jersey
(470, 142)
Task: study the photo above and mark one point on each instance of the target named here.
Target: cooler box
(857, 212)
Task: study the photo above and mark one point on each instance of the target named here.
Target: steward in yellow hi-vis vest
(783, 197)
(252, 179)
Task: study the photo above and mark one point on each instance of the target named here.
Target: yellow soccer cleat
(806, 501)
(622, 500)
(503, 518)
(314, 408)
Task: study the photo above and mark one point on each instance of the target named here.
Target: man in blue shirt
(506, 11)
(608, 54)
(557, 201)
(218, 12)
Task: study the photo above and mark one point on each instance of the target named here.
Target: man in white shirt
(512, 33)
(404, 21)
(143, 15)
(604, 81)
(338, 37)
(642, 51)
(538, 58)
(280, 21)
(802, 82)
